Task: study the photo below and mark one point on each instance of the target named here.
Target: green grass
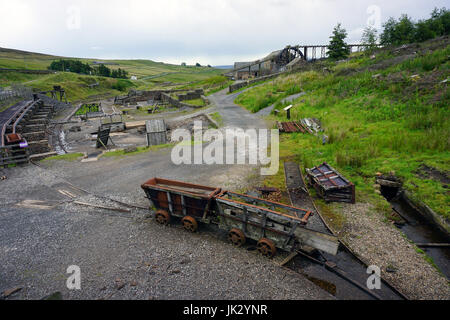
(150, 75)
(265, 95)
(210, 85)
(85, 109)
(217, 118)
(66, 157)
(373, 125)
(195, 102)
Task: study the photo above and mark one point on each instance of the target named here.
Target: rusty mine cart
(273, 225)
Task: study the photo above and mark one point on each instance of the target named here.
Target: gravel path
(379, 243)
(267, 111)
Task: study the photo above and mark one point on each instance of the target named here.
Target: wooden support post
(306, 53)
(183, 205)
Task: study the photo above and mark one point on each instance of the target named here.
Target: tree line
(395, 32)
(77, 66)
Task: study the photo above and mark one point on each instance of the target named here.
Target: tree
(398, 32)
(104, 71)
(337, 48)
(388, 35)
(424, 31)
(183, 64)
(405, 30)
(198, 64)
(370, 37)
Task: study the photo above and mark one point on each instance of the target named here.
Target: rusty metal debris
(330, 184)
(273, 225)
(306, 125)
(292, 126)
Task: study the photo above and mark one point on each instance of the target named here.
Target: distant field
(150, 74)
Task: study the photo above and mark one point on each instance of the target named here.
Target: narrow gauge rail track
(345, 273)
(11, 114)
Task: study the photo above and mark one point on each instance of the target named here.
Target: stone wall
(191, 95)
(240, 85)
(176, 103)
(136, 96)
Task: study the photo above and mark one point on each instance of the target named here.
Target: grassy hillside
(382, 114)
(150, 74)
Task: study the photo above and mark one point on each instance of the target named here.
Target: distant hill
(149, 74)
(18, 59)
(223, 67)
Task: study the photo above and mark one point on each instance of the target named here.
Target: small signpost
(103, 138)
(288, 110)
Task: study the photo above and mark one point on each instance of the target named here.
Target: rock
(175, 272)
(75, 129)
(54, 296)
(133, 283)
(9, 292)
(185, 261)
(130, 149)
(391, 269)
(120, 284)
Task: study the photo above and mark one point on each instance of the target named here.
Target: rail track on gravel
(345, 273)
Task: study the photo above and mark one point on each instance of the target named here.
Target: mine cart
(330, 184)
(188, 201)
(14, 151)
(272, 225)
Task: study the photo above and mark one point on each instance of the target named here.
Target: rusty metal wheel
(189, 224)
(266, 247)
(162, 217)
(236, 237)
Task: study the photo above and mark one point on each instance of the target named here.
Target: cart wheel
(189, 224)
(162, 217)
(266, 247)
(236, 237)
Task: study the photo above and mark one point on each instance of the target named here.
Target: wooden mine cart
(272, 225)
(188, 201)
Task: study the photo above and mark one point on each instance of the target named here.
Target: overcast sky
(215, 32)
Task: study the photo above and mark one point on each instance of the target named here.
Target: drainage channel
(343, 275)
(424, 234)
